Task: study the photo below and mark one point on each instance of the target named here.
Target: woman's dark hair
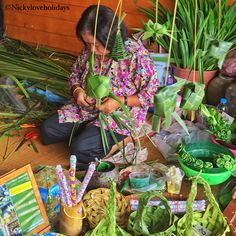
(105, 16)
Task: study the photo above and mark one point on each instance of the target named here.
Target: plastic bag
(167, 141)
(129, 156)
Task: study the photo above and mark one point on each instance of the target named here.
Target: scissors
(31, 135)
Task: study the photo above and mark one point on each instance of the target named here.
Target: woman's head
(86, 25)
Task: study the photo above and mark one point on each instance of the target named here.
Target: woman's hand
(108, 106)
(81, 98)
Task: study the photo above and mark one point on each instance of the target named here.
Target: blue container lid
(223, 100)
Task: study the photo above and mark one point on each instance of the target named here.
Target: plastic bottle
(170, 77)
(223, 106)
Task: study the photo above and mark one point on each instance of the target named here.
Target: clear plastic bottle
(223, 106)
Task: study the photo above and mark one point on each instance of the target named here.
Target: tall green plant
(216, 32)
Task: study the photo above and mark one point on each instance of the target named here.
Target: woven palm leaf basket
(95, 202)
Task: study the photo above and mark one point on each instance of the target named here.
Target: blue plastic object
(47, 94)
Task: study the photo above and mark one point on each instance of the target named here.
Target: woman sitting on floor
(133, 80)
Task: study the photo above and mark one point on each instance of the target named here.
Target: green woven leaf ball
(97, 86)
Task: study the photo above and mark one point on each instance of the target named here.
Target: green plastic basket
(205, 151)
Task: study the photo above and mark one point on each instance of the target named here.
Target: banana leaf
(164, 106)
(192, 97)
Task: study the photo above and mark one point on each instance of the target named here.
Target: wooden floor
(58, 154)
(48, 155)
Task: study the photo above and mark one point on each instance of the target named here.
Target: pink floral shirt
(134, 75)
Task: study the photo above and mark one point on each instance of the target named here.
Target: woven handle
(147, 197)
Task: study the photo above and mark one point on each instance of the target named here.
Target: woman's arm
(109, 105)
(77, 70)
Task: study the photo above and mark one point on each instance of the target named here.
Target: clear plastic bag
(167, 141)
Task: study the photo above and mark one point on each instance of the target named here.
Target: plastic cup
(174, 183)
(159, 181)
(139, 180)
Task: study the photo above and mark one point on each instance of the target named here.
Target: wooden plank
(128, 6)
(73, 14)
(59, 26)
(73, 9)
(51, 25)
(48, 155)
(63, 43)
(56, 28)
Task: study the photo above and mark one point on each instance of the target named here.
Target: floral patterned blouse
(134, 75)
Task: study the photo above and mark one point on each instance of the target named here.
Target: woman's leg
(87, 145)
(54, 132)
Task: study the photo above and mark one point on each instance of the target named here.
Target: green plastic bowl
(205, 152)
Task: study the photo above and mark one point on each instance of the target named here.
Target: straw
(72, 186)
(64, 190)
(85, 182)
(73, 162)
(175, 206)
(72, 179)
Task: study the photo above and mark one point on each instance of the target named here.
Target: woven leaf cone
(96, 201)
(118, 51)
(165, 104)
(212, 219)
(192, 97)
(152, 220)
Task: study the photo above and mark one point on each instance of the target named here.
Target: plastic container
(174, 180)
(231, 147)
(71, 220)
(101, 175)
(216, 89)
(139, 180)
(230, 94)
(205, 151)
(223, 106)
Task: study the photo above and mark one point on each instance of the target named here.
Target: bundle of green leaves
(218, 125)
(98, 87)
(152, 220)
(28, 67)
